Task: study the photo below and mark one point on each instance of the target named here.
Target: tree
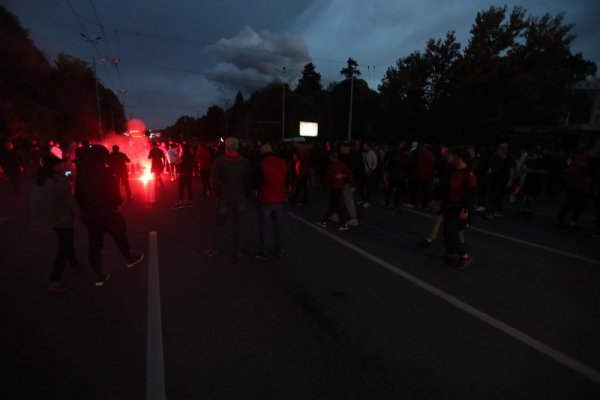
(310, 81)
(351, 70)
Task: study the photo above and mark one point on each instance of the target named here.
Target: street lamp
(93, 42)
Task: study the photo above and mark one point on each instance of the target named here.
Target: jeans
(205, 177)
(123, 179)
(223, 211)
(348, 196)
(185, 183)
(574, 204)
(116, 227)
(66, 251)
(270, 215)
(336, 206)
(452, 228)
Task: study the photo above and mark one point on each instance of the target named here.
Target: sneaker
(427, 243)
(211, 253)
(189, 204)
(133, 259)
(322, 224)
(480, 208)
(177, 206)
(280, 252)
(465, 261)
(101, 279)
(57, 287)
(359, 203)
(498, 214)
(343, 227)
(352, 222)
(366, 204)
(261, 256)
(408, 205)
(489, 216)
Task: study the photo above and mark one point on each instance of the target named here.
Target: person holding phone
(51, 205)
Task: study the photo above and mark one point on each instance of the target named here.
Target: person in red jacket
(272, 174)
(302, 165)
(459, 204)
(577, 178)
(337, 174)
(205, 164)
(424, 174)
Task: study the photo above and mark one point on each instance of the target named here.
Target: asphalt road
(362, 314)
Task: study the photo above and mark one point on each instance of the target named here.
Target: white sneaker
(366, 204)
(480, 208)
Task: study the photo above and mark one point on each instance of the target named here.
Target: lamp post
(283, 71)
(350, 110)
(93, 42)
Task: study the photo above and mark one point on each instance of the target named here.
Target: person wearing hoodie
(337, 174)
(51, 205)
(230, 181)
(97, 194)
(272, 172)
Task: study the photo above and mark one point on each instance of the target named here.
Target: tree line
(515, 73)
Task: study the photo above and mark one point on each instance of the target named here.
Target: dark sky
(179, 57)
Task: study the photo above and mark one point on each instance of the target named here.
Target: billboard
(310, 129)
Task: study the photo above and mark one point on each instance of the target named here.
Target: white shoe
(480, 208)
(352, 222)
(334, 218)
(366, 204)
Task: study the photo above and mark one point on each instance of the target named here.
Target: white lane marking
(526, 243)
(501, 326)
(155, 366)
(547, 214)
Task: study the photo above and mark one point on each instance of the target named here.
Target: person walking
(12, 165)
(185, 172)
(271, 181)
(205, 165)
(173, 159)
(577, 179)
(157, 156)
(98, 197)
(118, 161)
(302, 164)
(369, 159)
(51, 205)
(503, 173)
(459, 205)
(230, 181)
(337, 173)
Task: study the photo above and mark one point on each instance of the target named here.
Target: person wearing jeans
(230, 181)
(51, 205)
(98, 197)
(272, 172)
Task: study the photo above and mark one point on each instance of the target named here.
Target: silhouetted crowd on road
(453, 183)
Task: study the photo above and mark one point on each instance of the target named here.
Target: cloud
(252, 59)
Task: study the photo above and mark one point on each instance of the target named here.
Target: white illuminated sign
(310, 129)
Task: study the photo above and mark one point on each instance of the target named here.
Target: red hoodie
(274, 172)
(335, 168)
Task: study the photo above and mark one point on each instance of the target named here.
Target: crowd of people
(453, 183)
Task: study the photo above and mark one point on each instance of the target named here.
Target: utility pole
(93, 42)
(283, 71)
(350, 111)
